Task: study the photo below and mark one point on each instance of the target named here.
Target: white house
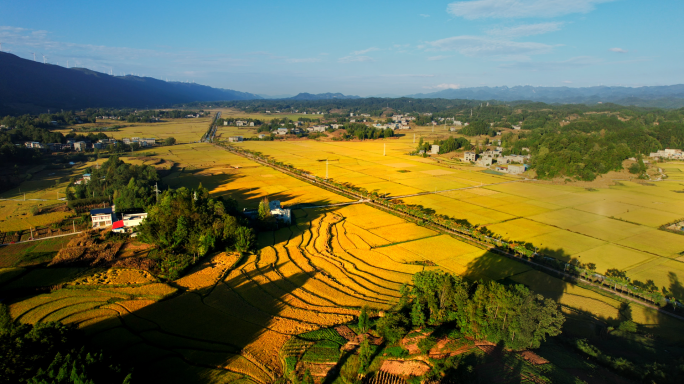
(280, 213)
(235, 139)
(469, 156)
(103, 217)
(434, 149)
(281, 131)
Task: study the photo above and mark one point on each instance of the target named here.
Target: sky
(365, 48)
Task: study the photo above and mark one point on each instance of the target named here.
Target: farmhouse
(434, 149)
(279, 213)
(235, 139)
(103, 217)
(261, 136)
(80, 146)
(485, 161)
(317, 128)
(281, 131)
(667, 154)
(469, 156)
(517, 169)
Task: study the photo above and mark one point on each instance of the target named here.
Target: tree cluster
(187, 223)
(127, 185)
(513, 316)
(51, 353)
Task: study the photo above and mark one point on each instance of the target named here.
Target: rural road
(44, 238)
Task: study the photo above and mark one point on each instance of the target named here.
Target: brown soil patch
(444, 349)
(405, 367)
(533, 358)
(382, 377)
(411, 344)
(346, 332)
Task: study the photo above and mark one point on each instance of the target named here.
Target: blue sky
(362, 48)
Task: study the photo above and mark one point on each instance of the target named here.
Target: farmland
(613, 227)
(232, 317)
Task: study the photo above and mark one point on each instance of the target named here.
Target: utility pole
(384, 149)
(73, 223)
(24, 196)
(31, 228)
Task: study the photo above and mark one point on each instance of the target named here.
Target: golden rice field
(229, 317)
(183, 130)
(615, 227)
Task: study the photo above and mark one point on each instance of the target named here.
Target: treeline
(511, 316)
(445, 146)
(187, 224)
(362, 131)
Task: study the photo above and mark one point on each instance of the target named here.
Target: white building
(102, 217)
(281, 131)
(469, 156)
(434, 149)
(279, 212)
(517, 169)
(235, 139)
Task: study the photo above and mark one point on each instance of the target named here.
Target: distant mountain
(29, 86)
(588, 95)
(322, 96)
(276, 97)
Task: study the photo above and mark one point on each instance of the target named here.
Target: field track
(467, 239)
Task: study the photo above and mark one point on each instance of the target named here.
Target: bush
(628, 326)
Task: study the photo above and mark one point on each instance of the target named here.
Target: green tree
(364, 322)
(365, 354)
(169, 141)
(264, 210)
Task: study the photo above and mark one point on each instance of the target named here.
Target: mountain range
(29, 86)
(640, 96)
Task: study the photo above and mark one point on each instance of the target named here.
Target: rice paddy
(230, 317)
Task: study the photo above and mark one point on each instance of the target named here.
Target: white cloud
(444, 86)
(304, 60)
(353, 59)
(438, 57)
(525, 30)
(567, 82)
(484, 46)
(364, 51)
(424, 15)
(503, 9)
(618, 50)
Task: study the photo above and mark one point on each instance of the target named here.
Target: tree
(364, 322)
(365, 354)
(170, 141)
(264, 211)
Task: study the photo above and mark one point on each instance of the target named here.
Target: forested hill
(27, 86)
(671, 96)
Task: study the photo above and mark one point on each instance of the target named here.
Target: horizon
(360, 49)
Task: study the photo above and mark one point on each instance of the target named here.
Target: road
(44, 238)
(468, 239)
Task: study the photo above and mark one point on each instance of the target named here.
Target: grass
(31, 253)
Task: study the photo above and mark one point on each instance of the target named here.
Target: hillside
(28, 86)
(671, 96)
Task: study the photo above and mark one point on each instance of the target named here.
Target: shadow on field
(596, 321)
(202, 335)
